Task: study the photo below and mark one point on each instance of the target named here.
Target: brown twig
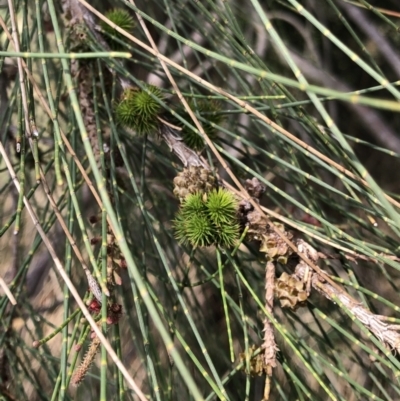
(388, 334)
(7, 291)
(269, 345)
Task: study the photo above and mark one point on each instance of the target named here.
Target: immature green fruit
(139, 109)
(123, 112)
(206, 219)
(227, 234)
(208, 109)
(199, 230)
(193, 205)
(221, 206)
(122, 19)
(192, 224)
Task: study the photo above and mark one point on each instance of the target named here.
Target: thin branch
(7, 291)
(388, 334)
(91, 281)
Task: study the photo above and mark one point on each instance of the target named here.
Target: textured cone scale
(257, 365)
(290, 291)
(193, 179)
(274, 246)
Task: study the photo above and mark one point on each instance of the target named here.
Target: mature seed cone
(274, 246)
(192, 180)
(290, 291)
(261, 229)
(255, 188)
(257, 365)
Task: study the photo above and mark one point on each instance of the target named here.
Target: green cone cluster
(208, 219)
(139, 109)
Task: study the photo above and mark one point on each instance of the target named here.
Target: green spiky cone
(139, 110)
(192, 224)
(221, 206)
(226, 235)
(193, 205)
(122, 19)
(197, 230)
(208, 109)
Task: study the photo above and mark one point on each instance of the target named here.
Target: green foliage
(139, 110)
(206, 219)
(282, 72)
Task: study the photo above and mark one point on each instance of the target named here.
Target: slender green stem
(226, 312)
(58, 329)
(71, 56)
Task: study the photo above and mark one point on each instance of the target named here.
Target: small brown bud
(123, 263)
(95, 240)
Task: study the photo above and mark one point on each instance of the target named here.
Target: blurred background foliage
(329, 165)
